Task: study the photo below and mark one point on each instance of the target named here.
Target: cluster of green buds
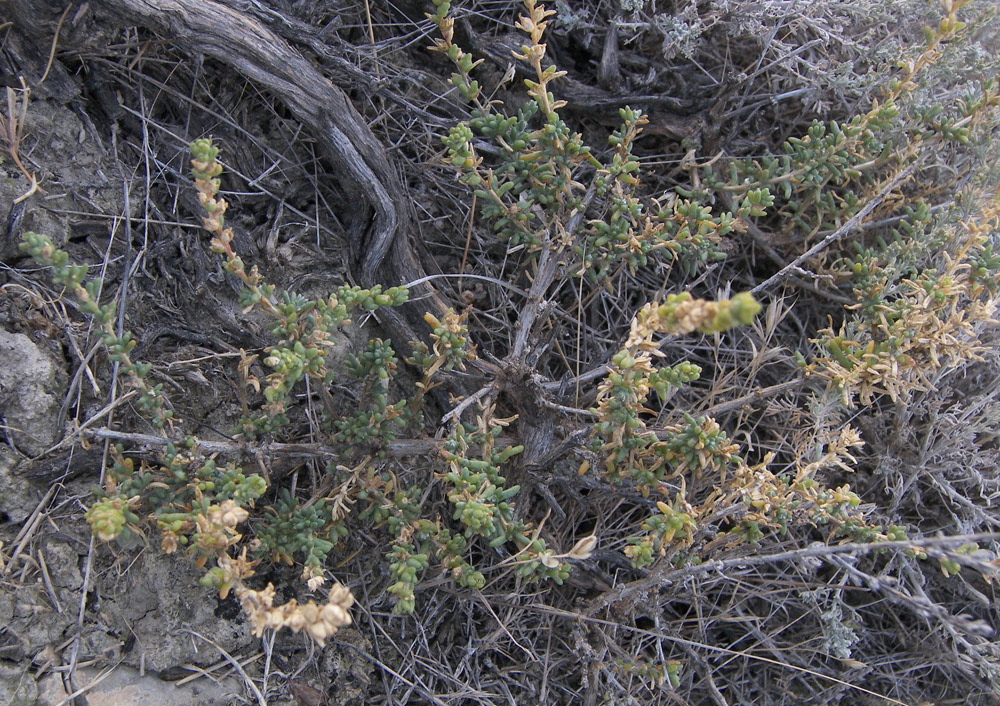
(289, 366)
(673, 669)
(122, 479)
(376, 365)
(875, 270)
(171, 487)
(860, 530)
(620, 431)
(230, 482)
(305, 327)
(532, 186)
(754, 203)
(67, 274)
(985, 270)
(698, 444)
(375, 424)
(486, 508)
(451, 348)
(661, 530)
(481, 502)
(196, 504)
(396, 507)
(402, 516)
(450, 549)
(293, 530)
(748, 532)
(404, 570)
(685, 229)
(951, 128)
(624, 167)
(663, 380)
(951, 567)
(109, 519)
(369, 299)
(219, 580)
(831, 502)
(691, 233)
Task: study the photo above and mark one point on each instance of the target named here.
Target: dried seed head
(583, 549)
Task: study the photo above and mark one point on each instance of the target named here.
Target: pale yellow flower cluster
(682, 314)
(216, 530)
(319, 621)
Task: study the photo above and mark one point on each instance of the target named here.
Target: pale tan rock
(125, 686)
